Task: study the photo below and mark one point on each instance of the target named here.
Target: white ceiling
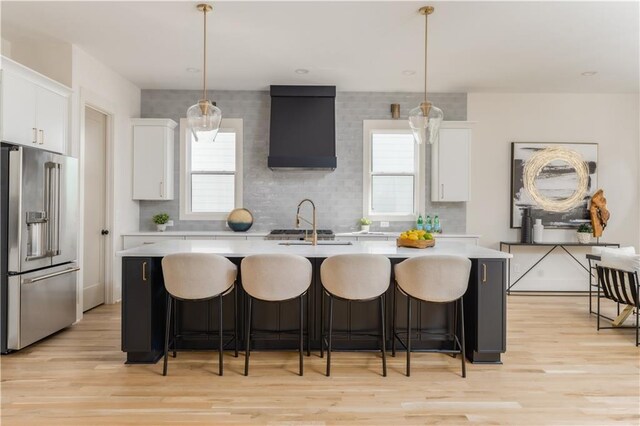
(358, 46)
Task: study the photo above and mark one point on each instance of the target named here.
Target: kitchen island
(144, 301)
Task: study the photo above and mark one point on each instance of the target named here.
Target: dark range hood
(303, 128)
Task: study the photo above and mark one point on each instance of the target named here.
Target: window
(393, 171)
(211, 172)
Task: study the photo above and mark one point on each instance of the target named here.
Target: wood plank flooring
(558, 370)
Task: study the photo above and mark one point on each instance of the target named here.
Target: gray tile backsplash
(272, 196)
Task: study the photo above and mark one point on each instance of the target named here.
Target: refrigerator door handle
(47, 276)
(52, 203)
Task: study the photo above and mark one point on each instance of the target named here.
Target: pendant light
(204, 117)
(425, 119)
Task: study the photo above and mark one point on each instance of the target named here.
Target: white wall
(99, 86)
(611, 120)
(5, 48)
(46, 56)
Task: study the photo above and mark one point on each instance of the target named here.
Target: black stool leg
(408, 335)
(220, 337)
(248, 338)
(384, 337)
(322, 323)
(166, 335)
(330, 330)
(175, 326)
(308, 322)
(301, 334)
(235, 320)
(462, 350)
(393, 322)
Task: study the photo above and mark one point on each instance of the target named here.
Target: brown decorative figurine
(599, 213)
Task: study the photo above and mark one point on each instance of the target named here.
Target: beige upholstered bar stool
(439, 279)
(198, 277)
(354, 277)
(275, 278)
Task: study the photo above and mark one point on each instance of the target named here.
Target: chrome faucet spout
(314, 235)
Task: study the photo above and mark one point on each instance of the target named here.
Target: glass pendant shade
(425, 122)
(203, 119)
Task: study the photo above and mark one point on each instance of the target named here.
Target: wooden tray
(405, 242)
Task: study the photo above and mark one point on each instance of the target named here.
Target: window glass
(392, 153)
(392, 194)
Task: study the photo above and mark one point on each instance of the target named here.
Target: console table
(551, 246)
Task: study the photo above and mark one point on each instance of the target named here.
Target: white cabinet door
(153, 159)
(450, 165)
(51, 120)
(18, 110)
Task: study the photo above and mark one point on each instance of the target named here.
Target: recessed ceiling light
(589, 73)
(194, 70)
(302, 71)
(408, 72)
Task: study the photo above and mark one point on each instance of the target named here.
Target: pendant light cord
(204, 68)
(426, 32)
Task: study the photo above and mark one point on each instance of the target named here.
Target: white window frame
(369, 127)
(229, 125)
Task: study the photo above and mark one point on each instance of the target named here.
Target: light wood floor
(558, 370)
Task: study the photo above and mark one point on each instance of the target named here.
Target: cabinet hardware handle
(35, 135)
(41, 137)
(144, 271)
(161, 196)
(442, 191)
(484, 272)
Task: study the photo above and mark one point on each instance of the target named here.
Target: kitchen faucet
(314, 235)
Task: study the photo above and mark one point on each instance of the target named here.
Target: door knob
(105, 232)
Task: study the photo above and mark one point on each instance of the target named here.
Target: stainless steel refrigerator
(38, 237)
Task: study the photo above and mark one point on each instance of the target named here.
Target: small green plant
(160, 218)
(365, 221)
(585, 228)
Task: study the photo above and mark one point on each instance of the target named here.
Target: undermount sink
(320, 243)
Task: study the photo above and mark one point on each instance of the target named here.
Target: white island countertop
(395, 234)
(242, 248)
(196, 234)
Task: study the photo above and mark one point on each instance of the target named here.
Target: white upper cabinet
(153, 158)
(450, 162)
(35, 109)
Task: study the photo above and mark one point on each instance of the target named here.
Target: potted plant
(365, 224)
(161, 220)
(584, 233)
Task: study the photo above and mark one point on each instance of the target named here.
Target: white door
(94, 208)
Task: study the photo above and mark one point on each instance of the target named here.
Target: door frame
(98, 103)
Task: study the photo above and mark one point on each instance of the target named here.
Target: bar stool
(439, 279)
(275, 278)
(354, 277)
(198, 277)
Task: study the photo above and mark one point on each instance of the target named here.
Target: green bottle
(436, 225)
(419, 223)
(428, 226)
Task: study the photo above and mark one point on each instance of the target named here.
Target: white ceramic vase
(538, 231)
(161, 227)
(364, 228)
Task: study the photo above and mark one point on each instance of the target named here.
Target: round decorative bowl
(239, 220)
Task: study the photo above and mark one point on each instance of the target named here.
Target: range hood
(303, 128)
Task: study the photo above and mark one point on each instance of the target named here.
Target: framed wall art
(556, 180)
